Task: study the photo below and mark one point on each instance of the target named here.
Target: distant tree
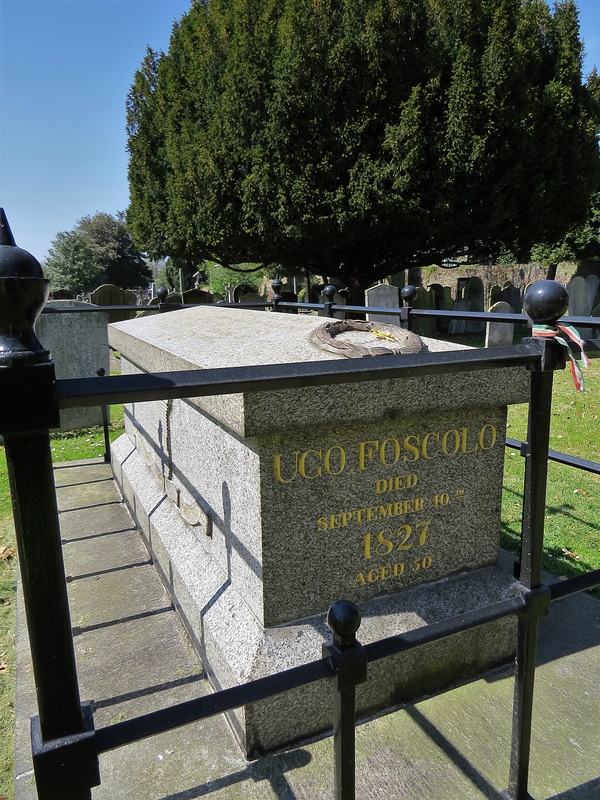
(97, 250)
(191, 272)
(356, 138)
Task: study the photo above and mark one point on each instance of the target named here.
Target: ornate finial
(329, 291)
(408, 294)
(23, 293)
(343, 618)
(6, 236)
(545, 302)
(277, 286)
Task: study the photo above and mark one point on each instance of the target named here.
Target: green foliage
(580, 243)
(98, 250)
(169, 277)
(355, 138)
(219, 278)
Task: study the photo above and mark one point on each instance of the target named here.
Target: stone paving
(133, 657)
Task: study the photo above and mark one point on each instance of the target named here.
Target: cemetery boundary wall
(65, 743)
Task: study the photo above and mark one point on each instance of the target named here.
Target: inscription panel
(356, 513)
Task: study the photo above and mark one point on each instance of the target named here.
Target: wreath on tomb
(355, 338)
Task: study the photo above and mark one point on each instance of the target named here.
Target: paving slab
(133, 657)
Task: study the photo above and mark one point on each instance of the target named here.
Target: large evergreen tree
(97, 250)
(355, 138)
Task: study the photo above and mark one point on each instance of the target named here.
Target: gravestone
(262, 509)
(593, 282)
(495, 294)
(500, 334)
(458, 326)
(110, 295)
(78, 342)
(424, 326)
(474, 293)
(580, 302)
(439, 303)
(510, 294)
(383, 296)
(196, 296)
(338, 300)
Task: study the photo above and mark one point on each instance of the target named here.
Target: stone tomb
(262, 509)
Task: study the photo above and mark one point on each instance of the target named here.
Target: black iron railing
(64, 742)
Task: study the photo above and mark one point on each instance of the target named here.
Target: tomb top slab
(213, 337)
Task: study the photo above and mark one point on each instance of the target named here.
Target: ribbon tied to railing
(570, 335)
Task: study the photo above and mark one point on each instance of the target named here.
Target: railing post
(545, 302)
(350, 661)
(329, 291)
(408, 294)
(277, 285)
(105, 422)
(28, 408)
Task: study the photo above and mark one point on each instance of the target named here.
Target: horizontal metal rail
(560, 458)
(165, 719)
(73, 392)
(580, 583)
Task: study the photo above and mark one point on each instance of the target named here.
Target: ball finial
(23, 293)
(408, 294)
(162, 293)
(344, 620)
(545, 302)
(329, 291)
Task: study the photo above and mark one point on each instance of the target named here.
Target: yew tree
(356, 138)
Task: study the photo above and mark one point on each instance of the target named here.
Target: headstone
(78, 342)
(439, 298)
(240, 290)
(338, 300)
(195, 296)
(383, 296)
(500, 334)
(63, 294)
(510, 294)
(458, 326)
(593, 281)
(580, 303)
(495, 295)
(474, 293)
(595, 333)
(424, 326)
(253, 297)
(110, 295)
(263, 509)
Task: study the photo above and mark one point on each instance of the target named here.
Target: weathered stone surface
(383, 296)
(78, 343)
(499, 334)
(263, 509)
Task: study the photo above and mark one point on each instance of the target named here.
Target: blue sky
(65, 69)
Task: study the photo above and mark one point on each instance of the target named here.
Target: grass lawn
(572, 538)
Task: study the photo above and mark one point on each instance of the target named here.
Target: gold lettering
(360, 580)
(302, 463)
(396, 452)
(456, 443)
(335, 521)
(277, 468)
(359, 513)
(482, 435)
(381, 486)
(424, 446)
(322, 523)
(363, 453)
(398, 569)
(386, 572)
(465, 433)
(419, 501)
(346, 517)
(342, 460)
(411, 480)
(370, 577)
(386, 511)
(411, 448)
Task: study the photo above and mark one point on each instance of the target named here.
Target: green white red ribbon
(554, 332)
